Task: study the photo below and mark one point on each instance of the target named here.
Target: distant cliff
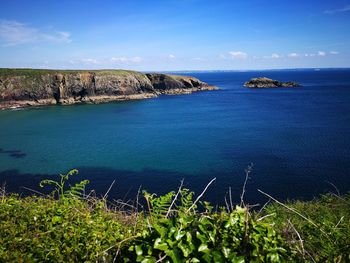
(32, 87)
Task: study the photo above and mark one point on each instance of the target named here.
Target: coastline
(19, 104)
(20, 88)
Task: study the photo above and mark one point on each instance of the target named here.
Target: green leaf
(217, 256)
(174, 255)
(179, 234)
(226, 251)
(149, 260)
(160, 229)
(56, 219)
(203, 248)
(158, 244)
(138, 250)
(185, 249)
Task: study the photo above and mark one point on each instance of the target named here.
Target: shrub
(186, 235)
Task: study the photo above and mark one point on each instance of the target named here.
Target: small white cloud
(136, 59)
(197, 59)
(58, 37)
(90, 61)
(334, 52)
(273, 56)
(126, 59)
(339, 10)
(238, 54)
(318, 54)
(222, 56)
(118, 59)
(171, 56)
(15, 33)
(293, 55)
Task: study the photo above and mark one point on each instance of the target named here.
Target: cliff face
(26, 87)
(172, 84)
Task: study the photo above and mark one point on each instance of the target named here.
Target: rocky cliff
(29, 87)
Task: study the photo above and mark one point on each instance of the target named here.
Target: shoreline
(21, 104)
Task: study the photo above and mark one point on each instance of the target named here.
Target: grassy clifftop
(35, 72)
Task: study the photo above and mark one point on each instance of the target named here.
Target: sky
(169, 35)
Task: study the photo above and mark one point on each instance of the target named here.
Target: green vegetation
(68, 226)
(321, 233)
(35, 73)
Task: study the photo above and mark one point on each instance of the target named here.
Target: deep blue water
(297, 138)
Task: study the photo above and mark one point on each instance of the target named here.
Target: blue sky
(175, 34)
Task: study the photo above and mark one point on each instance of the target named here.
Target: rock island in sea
(269, 83)
(36, 87)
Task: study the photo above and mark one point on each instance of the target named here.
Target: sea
(296, 141)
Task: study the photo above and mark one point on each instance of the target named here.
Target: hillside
(34, 87)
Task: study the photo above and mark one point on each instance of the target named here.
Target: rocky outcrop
(268, 83)
(28, 87)
(173, 84)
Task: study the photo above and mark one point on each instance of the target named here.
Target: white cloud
(222, 56)
(273, 55)
(334, 52)
(318, 54)
(340, 10)
(126, 59)
(171, 56)
(293, 55)
(135, 59)
(197, 59)
(90, 61)
(310, 55)
(15, 33)
(238, 54)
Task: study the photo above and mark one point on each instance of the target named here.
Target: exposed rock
(173, 84)
(29, 87)
(268, 83)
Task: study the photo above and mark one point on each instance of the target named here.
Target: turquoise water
(298, 139)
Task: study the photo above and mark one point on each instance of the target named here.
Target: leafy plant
(190, 236)
(60, 186)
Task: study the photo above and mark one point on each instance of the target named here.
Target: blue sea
(298, 140)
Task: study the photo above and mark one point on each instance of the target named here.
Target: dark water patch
(127, 184)
(17, 154)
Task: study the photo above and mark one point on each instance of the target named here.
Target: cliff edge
(32, 87)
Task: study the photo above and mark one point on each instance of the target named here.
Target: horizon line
(184, 70)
